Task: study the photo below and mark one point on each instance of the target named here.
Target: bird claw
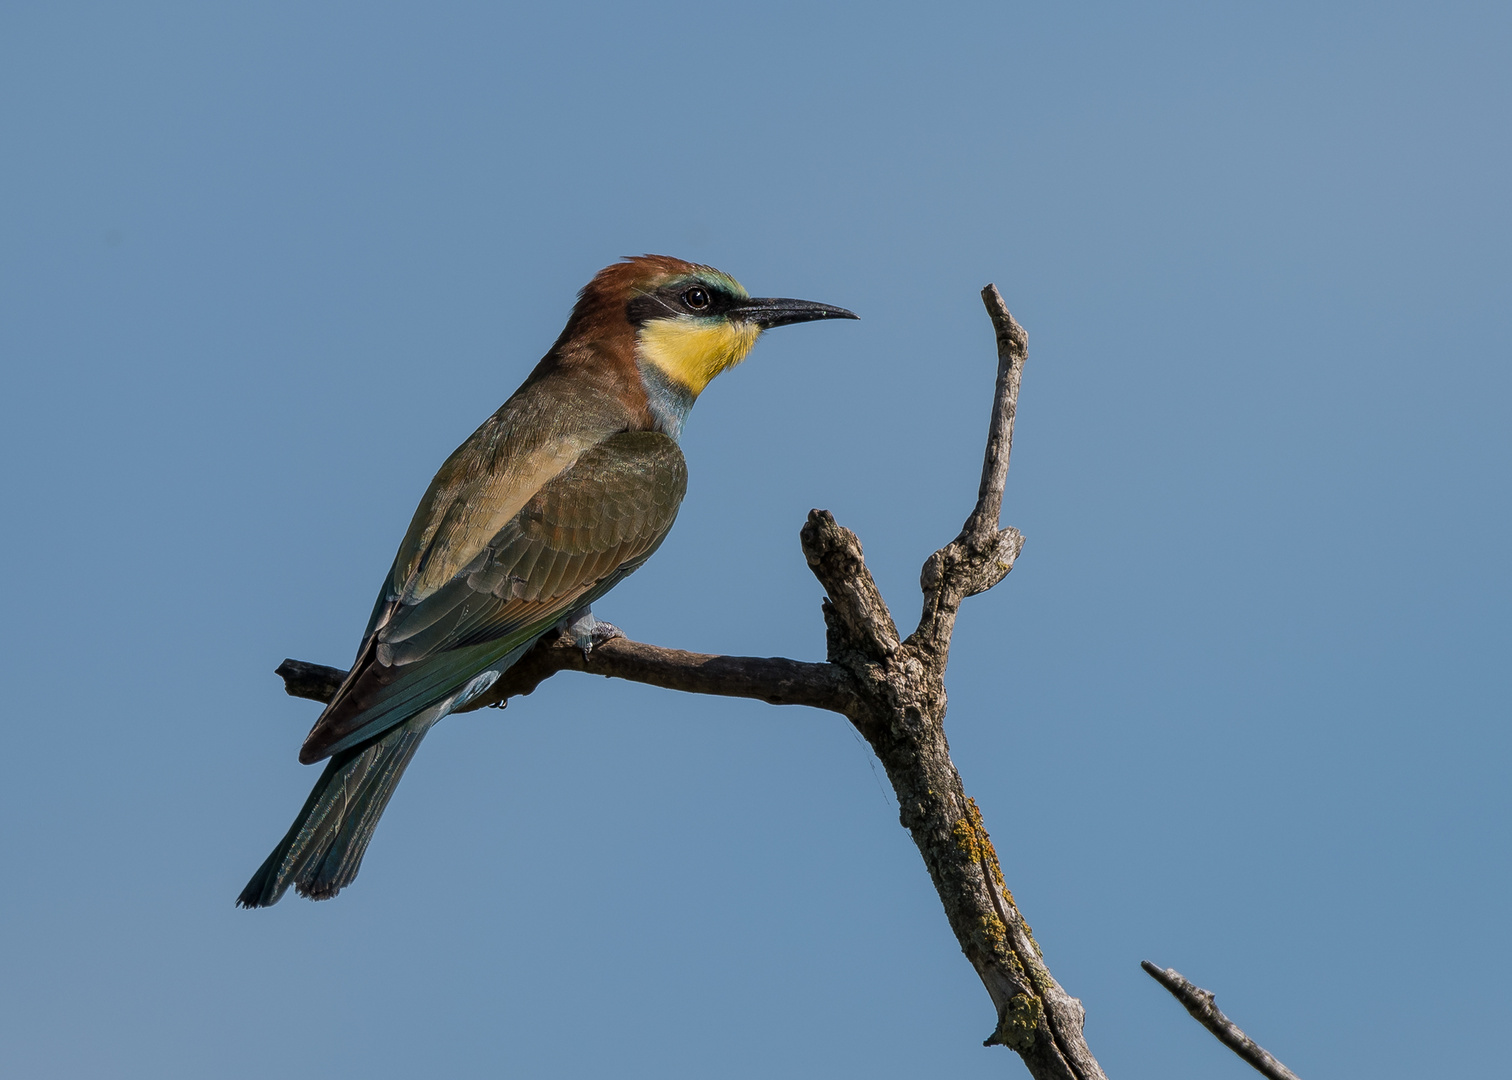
(602, 632)
(589, 633)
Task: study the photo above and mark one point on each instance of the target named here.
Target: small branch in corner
(1199, 1003)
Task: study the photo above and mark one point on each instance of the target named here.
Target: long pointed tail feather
(323, 850)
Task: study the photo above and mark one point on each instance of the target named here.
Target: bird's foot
(589, 633)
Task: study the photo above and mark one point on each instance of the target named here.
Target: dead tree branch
(1199, 1003)
(893, 690)
(776, 680)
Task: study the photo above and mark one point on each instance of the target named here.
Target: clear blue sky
(1242, 708)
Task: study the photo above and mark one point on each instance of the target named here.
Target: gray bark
(1200, 1004)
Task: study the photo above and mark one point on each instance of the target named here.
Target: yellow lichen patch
(992, 932)
(1016, 1027)
(971, 840)
(966, 840)
(691, 351)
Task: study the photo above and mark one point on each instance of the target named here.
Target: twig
(315, 682)
(1199, 1003)
(893, 691)
(982, 554)
(1013, 350)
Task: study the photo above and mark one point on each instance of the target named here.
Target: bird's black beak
(770, 311)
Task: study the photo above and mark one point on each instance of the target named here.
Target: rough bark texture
(893, 691)
(1200, 1004)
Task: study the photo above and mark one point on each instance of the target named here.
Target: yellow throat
(691, 351)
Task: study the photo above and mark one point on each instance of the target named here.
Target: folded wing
(580, 534)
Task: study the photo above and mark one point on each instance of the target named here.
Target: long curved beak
(767, 312)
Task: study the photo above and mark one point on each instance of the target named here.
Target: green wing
(575, 539)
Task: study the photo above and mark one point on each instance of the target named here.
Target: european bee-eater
(561, 494)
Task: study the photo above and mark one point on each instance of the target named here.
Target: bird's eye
(697, 298)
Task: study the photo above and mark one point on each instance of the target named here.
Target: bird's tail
(323, 849)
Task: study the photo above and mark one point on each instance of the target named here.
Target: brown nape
(598, 342)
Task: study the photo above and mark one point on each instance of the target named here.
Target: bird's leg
(588, 632)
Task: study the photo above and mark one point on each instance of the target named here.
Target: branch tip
(984, 551)
(1202, 1005)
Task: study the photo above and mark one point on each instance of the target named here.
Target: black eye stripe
(680, 299)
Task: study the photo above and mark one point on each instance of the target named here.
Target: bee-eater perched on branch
(560, 495)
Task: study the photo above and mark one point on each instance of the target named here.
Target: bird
(562, 493)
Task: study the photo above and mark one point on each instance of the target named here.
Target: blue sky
(1241, 708)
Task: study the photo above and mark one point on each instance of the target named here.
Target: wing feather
(582, 532)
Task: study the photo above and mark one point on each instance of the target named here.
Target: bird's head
(690, 322)
(694, 322)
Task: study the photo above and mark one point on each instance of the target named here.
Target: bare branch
(776, 681)
(1199, 1003)
(1013, 350)
(982, 554)
(902, 717)
(834, 555)
(317, 682)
